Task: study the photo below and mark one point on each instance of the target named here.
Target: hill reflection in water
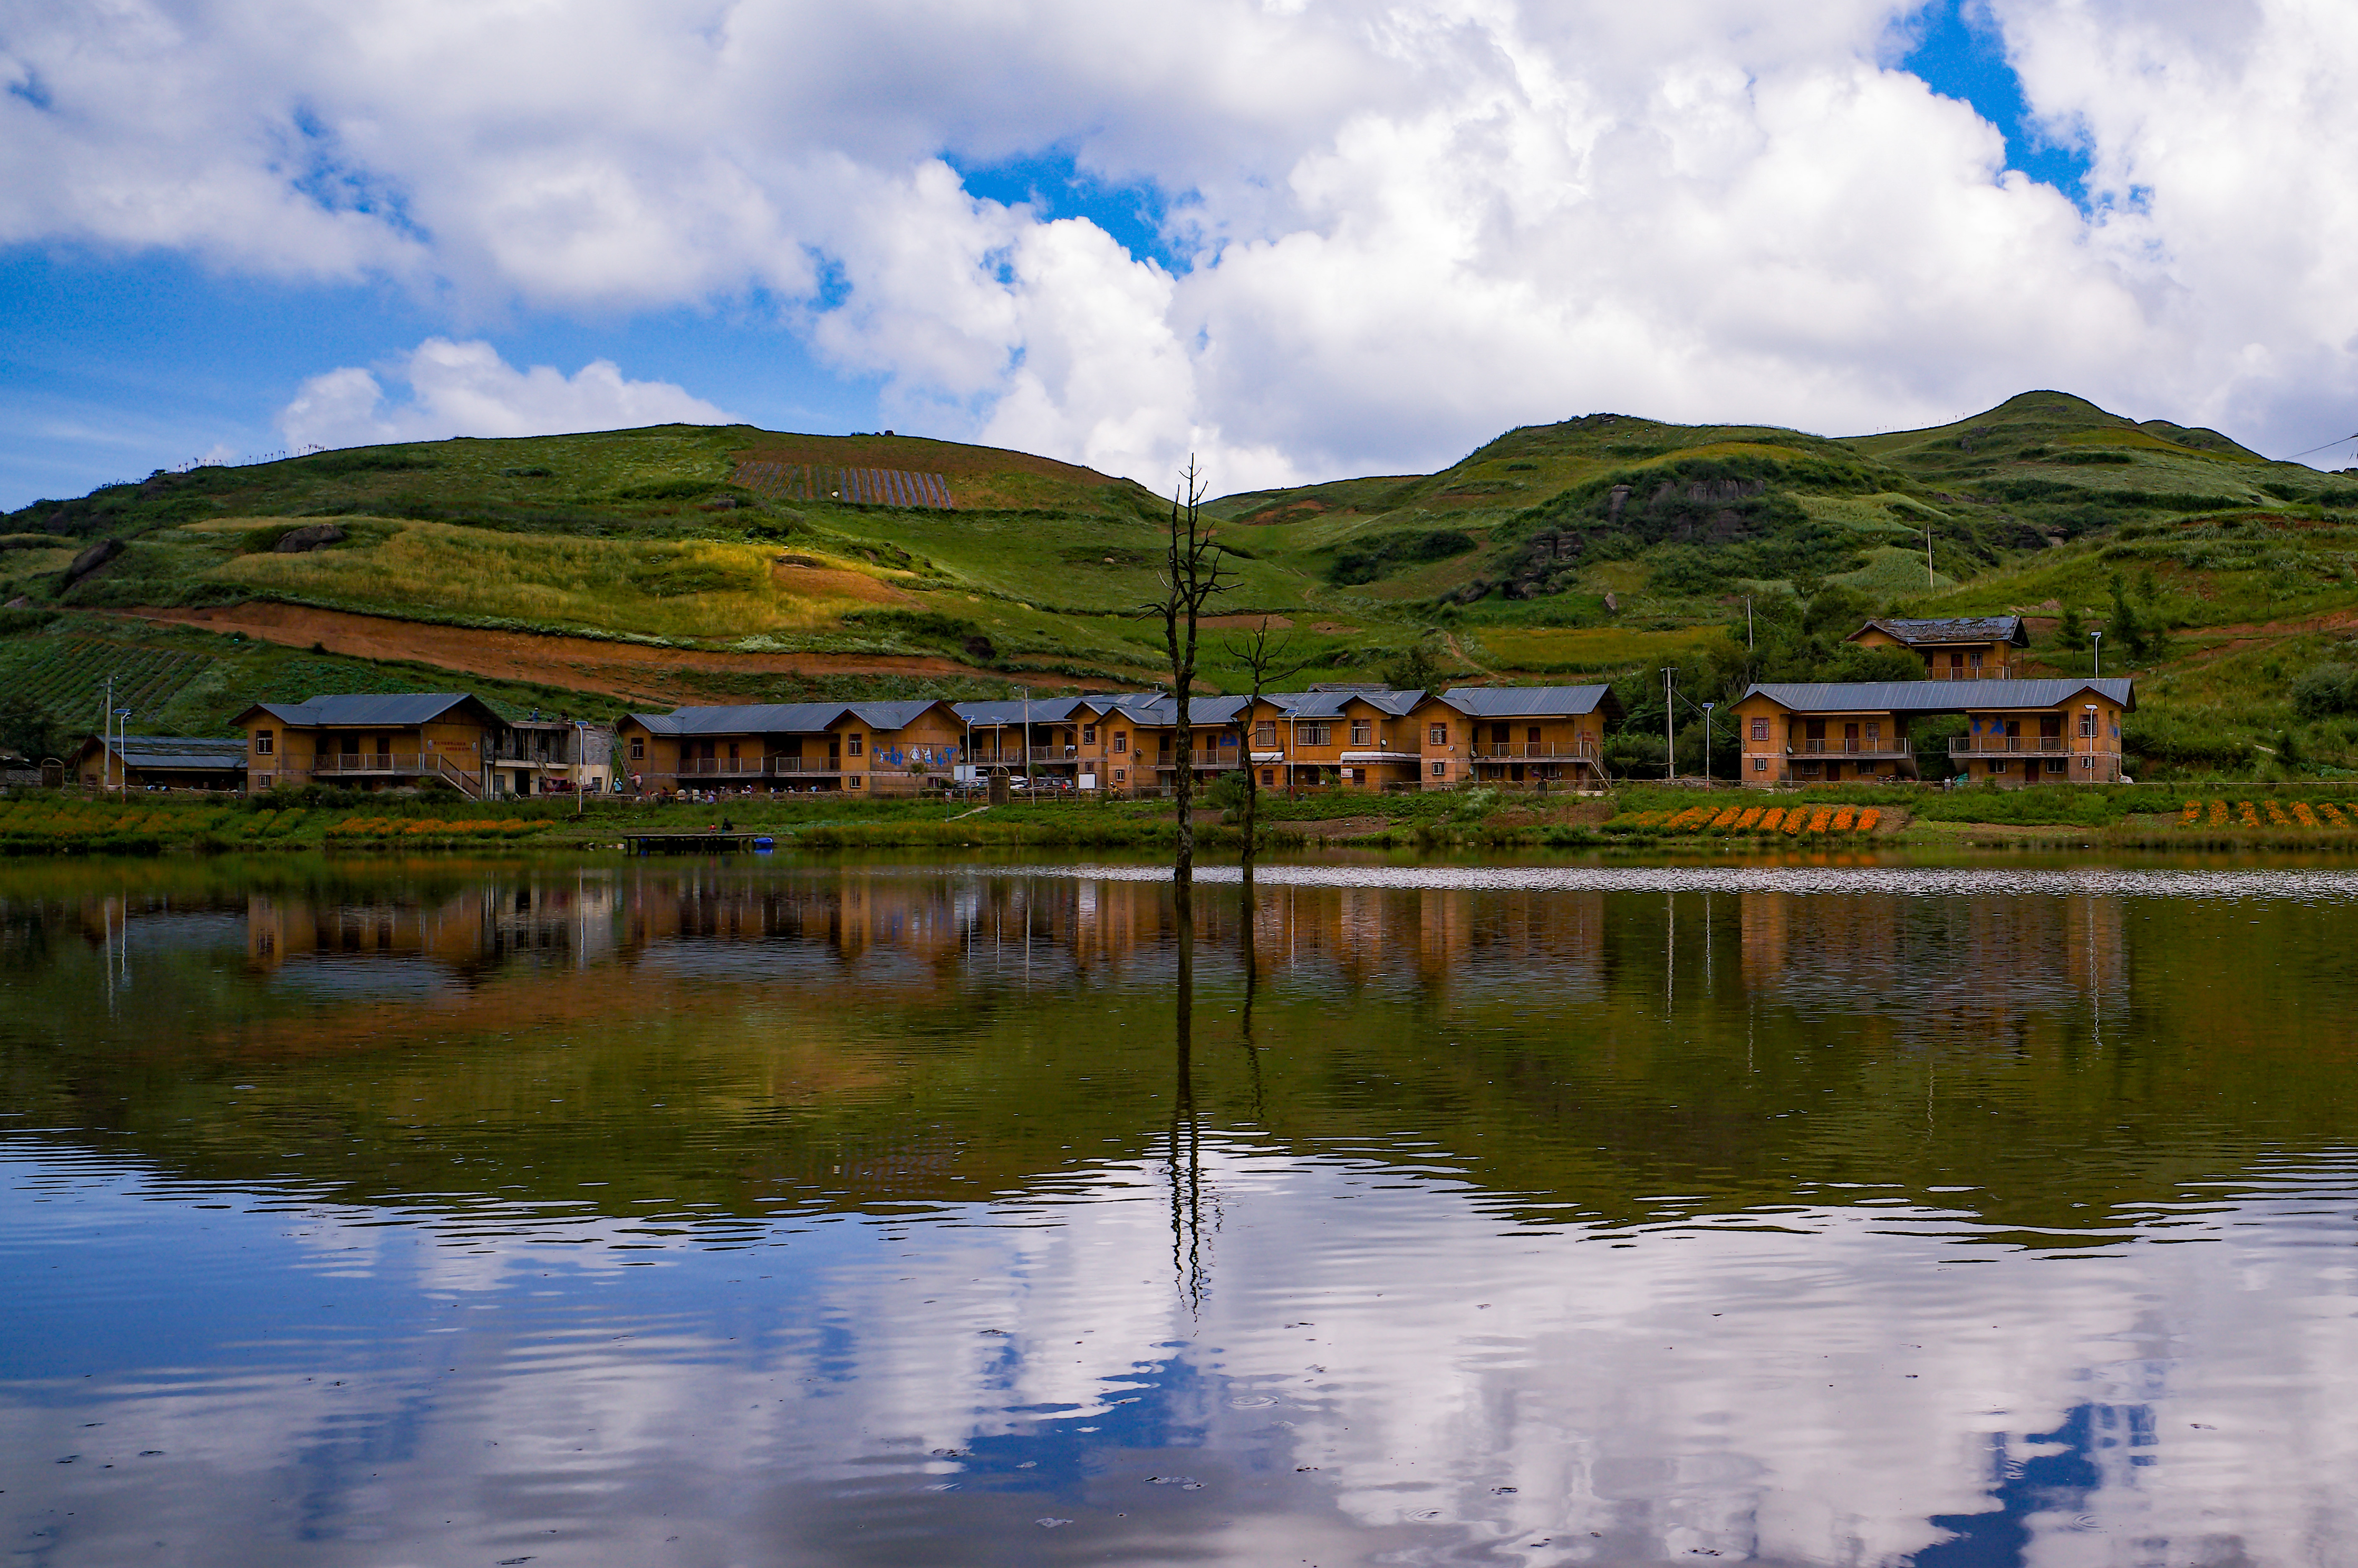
(424, 1212)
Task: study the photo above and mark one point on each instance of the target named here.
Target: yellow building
(872, 747)
(1533, 736)
(1978, 647)
(2018, 731)
(372, 741)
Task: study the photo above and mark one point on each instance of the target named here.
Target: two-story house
(372, 741)
(1976, 647)
(1535, 737)
(2019, 731)
(876, 748)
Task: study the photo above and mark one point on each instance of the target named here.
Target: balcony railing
(2031, 745)
(374, 762)
(1229, 758)
(1850, 746)
(1534, 751)
(1970, 672)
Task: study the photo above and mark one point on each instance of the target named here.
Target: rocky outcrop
(310, 537)
(90, 560)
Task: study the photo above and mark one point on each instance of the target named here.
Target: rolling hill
(586, 573)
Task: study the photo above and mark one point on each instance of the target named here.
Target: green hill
(687, 563)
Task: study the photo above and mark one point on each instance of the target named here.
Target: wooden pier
(702, 842)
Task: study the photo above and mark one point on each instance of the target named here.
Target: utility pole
(1707, 742)
(1748, 624)
(2099, 637)
(580, 744)
(105, 733)
(1928, 555)
(1028, 780)
(1669, 734)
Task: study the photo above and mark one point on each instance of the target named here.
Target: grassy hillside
(736, 564)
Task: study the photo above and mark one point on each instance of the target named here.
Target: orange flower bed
(2277, 815)
(1750, 818)
(1797, 819)
(1869, 818)
(1728, 819)
(2333, 813)
(2218, 813)
(1693, 816)
(2190, 813)
(2249, 815)
(1820, 819)
(2308, 817)
(1844, 820)
(1772, 819)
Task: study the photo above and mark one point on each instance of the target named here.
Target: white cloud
(466, 389)
(1408, 224)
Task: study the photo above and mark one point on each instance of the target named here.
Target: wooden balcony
(1970, 672)
(1534, 751)
(1846, 746)
(2028, 745)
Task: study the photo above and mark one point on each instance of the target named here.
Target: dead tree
(1192, 575)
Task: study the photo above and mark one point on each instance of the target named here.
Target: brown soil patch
(836, 582)
(626, 670)
(1246, 623)
(913, 454)
(1339, 827)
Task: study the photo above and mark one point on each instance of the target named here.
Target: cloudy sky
(1304, 237)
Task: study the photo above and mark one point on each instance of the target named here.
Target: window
(264, 741)
(1532, 735)
(1759, 764)
(1761, 729)
(1440, 734)
(1088, 734)
(1363, 732)
(1873, 729)
(1996, 768)
(1265, 734)
(1315, 734)
(2054, 764)
(851, 782)
(2088, 726)
(851, 743)
(1441, 770)
(1121, 775)
(1121, 741)
(638, 748)
(1269, 777)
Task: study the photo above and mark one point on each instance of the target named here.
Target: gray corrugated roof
(1955, 629)
(368, 708)
(891, 715)
(205, 753)
(1042, 710)
(781, 717)
(1938, 696)
(1156, 711)
(1525, 701)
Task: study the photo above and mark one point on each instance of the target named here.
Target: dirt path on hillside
(582, 664)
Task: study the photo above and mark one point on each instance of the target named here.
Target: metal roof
(1043, 709)
(783, 718)
(1956, 629)
(370, 708)
(1528, 701)
(192, 753)
(1328, 702)
(1938, 696)
(1160, 709)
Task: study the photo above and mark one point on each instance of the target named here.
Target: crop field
(68, 675)
(1792, 822)
(1583, 649)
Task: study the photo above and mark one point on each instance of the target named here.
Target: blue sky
(1358, 258)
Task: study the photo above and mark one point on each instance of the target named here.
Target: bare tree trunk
(1267, 663)
(1192, 575)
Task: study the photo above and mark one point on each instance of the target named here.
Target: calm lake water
(444, 1212)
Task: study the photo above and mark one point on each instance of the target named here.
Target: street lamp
(1707, 742)
(2099, 636)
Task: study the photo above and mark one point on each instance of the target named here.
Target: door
(1850, 737)
(2050, 732)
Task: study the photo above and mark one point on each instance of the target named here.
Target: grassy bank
(2321, 817)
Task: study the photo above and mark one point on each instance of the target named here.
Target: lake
(763, 1211)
